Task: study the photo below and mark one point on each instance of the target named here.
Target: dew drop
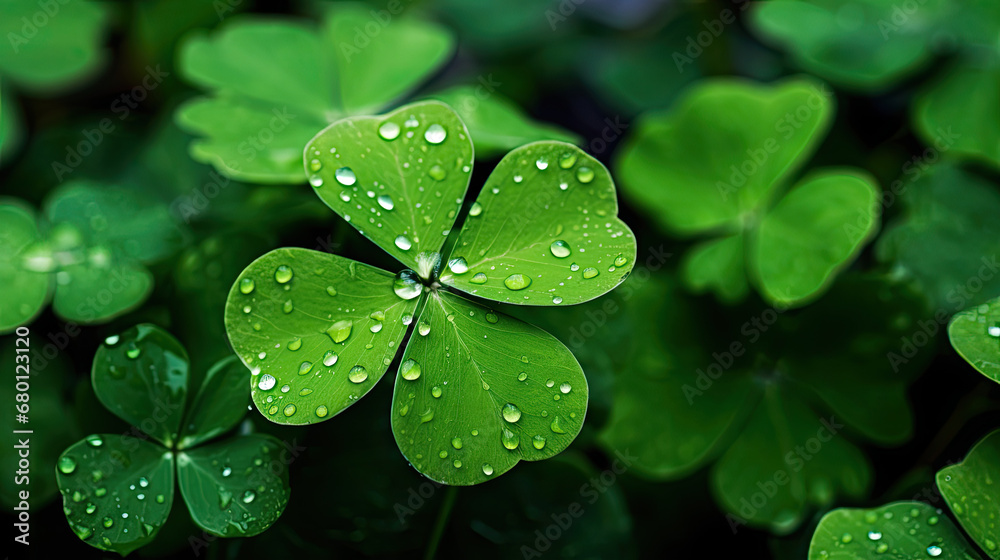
(934, 550)
(246, 285)
(565, 388)
(487, 469)
(437, 172)
(283, 274)
(456, 442)
(567, 160)
(476, 209)
(289, 410)
(511, 413)
(389, 130)
(542, 163)
(556, 427)
(95, 440)
(345, 176)
(620, 260)
(67, 464)
(305, 367)
(478, 278)
(403, 242)
(410, 370)
(590, 272)
(358, 374)
(538, 442)
(522, 376)
(435, 134)
(340, 331)
(407, 284)
(436, 392)
(321, 411)
(517, 282)
(509, 439)
(458, 265)
(266, 382)
(329, 358)
(423, 328)
(584, 174)
(874, 535)
(560, 249)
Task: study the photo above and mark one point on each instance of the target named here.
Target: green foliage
(975, 334)
(118, 489)
(896, 530)
(915, 529)
(947, 237)
(755, 402)
(719, 163)
(477, 391)
(275, 84)
(87, 254)
(51, 51)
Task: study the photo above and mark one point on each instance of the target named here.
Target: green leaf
(237, 487)
(956, 114)
(947, 236)
(398, 179)
(975, 334)
(791, 459)
(54, 55)
(120, 285)
(658, 414)
(276, 83)
(28, 290)
(860, 44)
(478, 391)
(718, 265)
(496, 123)
(142, 375)
(543, 231)
(970, 491)
(220, 404)
(812, 233)
(896, 530)
(723, 151)
(117, 490)
(335, 341)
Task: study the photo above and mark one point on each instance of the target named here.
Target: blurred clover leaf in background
(477, 390)
(975, 334)
(719, 163)
(762, 406)
(118, 489)
(276, 84)
(947, 237)
(50, 52)
(87, 254)
(915, 529)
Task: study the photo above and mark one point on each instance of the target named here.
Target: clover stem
(442, 522)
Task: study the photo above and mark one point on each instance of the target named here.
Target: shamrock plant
(477, 390)
(975, 334)
(274, 84)
(718, 164)
(118, 489)
(917, 530)
(87, 255)
(778, 419)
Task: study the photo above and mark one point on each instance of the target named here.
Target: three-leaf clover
(718, 164)
(777, 414)
(915, 529)
(477, 390)
(118, 489)
(275, 84)
(87, 255)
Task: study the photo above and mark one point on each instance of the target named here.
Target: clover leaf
(969, 488)
(861, 44)
(718, 164)
(915, 529)
(477, 390)
(954, 113)
(896, 530)
(947, 238)
(779, 414)
(975, 334)
(51, 47)
(118, 489)
(88, 255)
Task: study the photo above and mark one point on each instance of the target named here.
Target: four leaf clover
(118, 489)
(477, 390)
(717, 164)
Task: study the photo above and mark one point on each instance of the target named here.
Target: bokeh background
(107, 123)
